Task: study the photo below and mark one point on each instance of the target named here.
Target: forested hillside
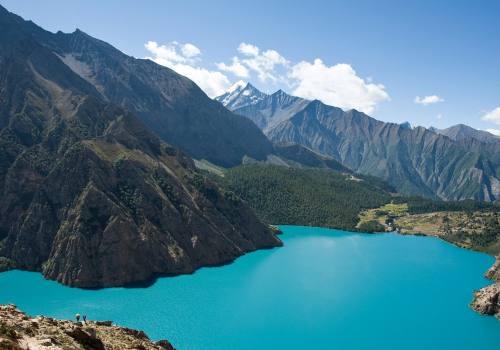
(325, 197)
(307, 196)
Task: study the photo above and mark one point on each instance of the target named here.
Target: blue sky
(450, 49)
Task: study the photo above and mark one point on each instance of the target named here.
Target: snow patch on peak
(240, 94)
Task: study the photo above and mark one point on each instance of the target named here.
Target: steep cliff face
(415, 161)
(90, 197)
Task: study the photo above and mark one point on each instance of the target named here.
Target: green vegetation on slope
(381, 219)
(468, 224)
(419, 205)
(306, 196)
(371, 226)
(324, 197)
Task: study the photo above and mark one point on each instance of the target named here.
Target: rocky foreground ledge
(487, 300)
(20, 331)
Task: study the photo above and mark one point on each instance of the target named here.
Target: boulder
(88, 341)
(165, 344)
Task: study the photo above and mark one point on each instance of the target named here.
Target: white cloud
(439, 116)
(238, 85)
(213, 83)
(264, 63)
(337, 85)
(493, 116)
(428, 100)
(236, 68)
(494, 131)
(165, 53)
(189, 50)
(181, 58)
(248, 49)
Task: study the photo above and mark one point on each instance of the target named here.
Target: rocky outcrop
(19, 331)
(487, 300)
(86, 337)
(90, 197)
(494, 272)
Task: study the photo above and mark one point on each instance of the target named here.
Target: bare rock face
(487, 300)
(165, 344)
(20, 331)
(86, 338)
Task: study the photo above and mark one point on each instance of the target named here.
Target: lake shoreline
(324, 287)
(486, 300)
(9, 265)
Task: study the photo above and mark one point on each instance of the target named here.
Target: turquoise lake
(326, 289)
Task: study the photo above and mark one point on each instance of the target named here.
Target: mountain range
(100, 154)
(452, 164)
(91, 197)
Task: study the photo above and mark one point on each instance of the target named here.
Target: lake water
(326, 289)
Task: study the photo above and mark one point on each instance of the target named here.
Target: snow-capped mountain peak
(240, 94)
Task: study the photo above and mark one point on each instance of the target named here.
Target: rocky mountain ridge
(169, 104)
(464, 132)
(416, 161)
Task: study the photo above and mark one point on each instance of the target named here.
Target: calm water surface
(326, 289)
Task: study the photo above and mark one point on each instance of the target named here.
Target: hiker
(85, 318)
(77, 316)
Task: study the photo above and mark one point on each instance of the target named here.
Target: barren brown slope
(90, 197)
